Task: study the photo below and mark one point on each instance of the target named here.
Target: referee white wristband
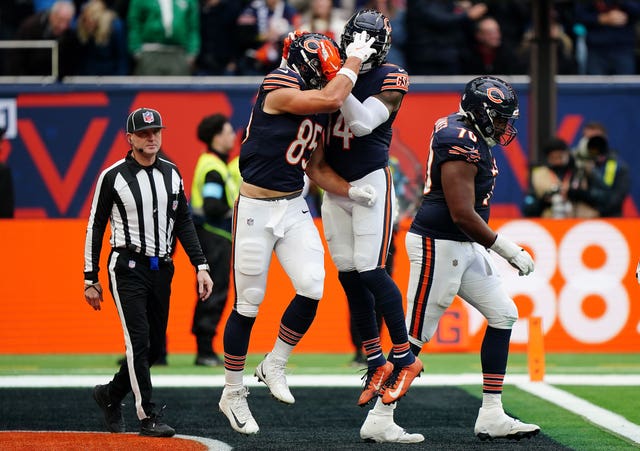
(351, 75)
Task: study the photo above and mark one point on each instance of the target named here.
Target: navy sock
(363, 315)
(237, 333)
(493, 357)
(297, 319)
(389, 300)
(361, 304)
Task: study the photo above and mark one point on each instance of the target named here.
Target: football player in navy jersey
(284, 139)
(358, 238)
(449, 237)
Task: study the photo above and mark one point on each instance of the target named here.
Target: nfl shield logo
(147, 116)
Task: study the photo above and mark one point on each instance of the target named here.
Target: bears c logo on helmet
(495, 95)
(311, 45)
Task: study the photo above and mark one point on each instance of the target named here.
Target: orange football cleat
(398, 385)
(376, 378)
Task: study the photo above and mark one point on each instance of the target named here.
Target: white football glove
(363, 195)
(638, 272)
(361, 46)
(514, 254)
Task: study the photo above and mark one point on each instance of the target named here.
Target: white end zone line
(606, 419)
(545, 390)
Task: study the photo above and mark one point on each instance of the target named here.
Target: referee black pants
(141, 294)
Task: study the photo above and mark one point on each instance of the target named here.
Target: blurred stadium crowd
(242, 37)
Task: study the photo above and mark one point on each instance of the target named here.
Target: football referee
(143, 197)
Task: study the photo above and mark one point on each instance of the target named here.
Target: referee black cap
(142, 119)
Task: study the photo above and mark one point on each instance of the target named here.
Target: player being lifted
(358, 238)
(284, 139)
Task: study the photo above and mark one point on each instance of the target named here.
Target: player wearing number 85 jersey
(449, 237)
(284, 139)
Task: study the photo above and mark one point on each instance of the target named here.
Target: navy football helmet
(303, 58)
(492, 105)
(377, 26)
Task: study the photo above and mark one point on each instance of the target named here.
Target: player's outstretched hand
(514, 254)
(329, 57)
(363, 195)
(361, 46)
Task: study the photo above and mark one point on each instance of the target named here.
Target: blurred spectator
(608, 179)
(6, 184)
(396, 11)
(436, 33)
(566, 62)
(164, 36)
(262, 27)
(102, 41)
(217, 25)
(514, 19)
(550, 184)
(590, 129)
(323, 17)
(487, 53)
(611, 35)
(52, 24)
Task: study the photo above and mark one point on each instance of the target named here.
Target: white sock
(233, 379)
(491, 400)
(281, 350)
(381, 409)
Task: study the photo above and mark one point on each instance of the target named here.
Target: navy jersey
(354, 157)
(453, 139)
(277, 147)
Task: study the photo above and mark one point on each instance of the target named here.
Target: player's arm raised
(341, 80)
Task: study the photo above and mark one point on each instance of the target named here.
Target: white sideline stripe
(211, 444)
(615, 423)
(344, 380)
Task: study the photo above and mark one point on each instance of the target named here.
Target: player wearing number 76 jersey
(449, 237)
(284, 140)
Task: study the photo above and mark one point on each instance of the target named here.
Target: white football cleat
(381, 429)
(492, 423)
(233, 403)
(271, 372)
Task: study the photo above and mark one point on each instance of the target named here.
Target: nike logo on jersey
(238, 422)
(396, 392)
(304, 212)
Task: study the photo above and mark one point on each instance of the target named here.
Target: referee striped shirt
(147, 209)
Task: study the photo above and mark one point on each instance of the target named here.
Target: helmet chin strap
(490, 140)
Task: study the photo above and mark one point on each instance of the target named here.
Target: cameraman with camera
(551, 183)
(607, 179)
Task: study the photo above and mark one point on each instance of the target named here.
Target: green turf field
(561, 428)
(323, 364)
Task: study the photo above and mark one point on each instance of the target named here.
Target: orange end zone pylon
(536, 349)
